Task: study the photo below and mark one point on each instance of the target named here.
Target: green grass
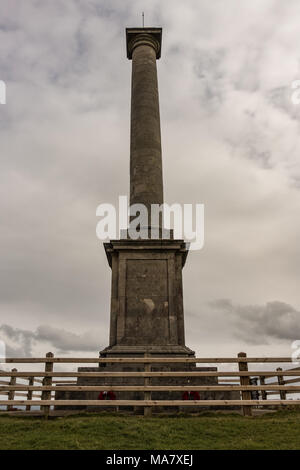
(280, 430)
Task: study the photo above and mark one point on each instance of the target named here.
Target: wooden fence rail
(158, 388)
(252, 385)
(256, 373)
(151, 402)
(144, 360)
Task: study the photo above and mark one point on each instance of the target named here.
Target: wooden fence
(253, 386)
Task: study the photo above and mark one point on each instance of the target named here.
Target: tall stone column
(146, 292)
(146, 181)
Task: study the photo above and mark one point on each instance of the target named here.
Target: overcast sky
(230, 136)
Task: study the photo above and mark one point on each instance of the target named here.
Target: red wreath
(107, 395)
(193, 395)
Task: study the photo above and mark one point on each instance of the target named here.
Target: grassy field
(280, 430)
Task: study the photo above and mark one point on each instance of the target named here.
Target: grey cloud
(21, 339)
(262, 323)
(208, 68)
(20, 342)
(67, 341)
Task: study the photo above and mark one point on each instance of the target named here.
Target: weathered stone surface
(146, 293)
(146, 184)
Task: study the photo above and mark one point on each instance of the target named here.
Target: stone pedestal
(146, 298)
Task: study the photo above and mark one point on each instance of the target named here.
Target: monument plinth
(146, 297)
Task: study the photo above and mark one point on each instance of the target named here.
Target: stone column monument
(146, 293)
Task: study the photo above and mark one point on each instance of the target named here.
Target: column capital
(143, 36)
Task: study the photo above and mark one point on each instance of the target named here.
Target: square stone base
(139, 381)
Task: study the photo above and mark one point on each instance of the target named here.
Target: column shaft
(146, 184)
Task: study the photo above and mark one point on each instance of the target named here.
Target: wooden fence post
(147, 395)
(263, 392)
(11, 393)
(29, 393)
(47, 381)
(280, 380)
(245, 380)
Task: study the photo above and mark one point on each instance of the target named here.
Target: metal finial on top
(143, 18)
